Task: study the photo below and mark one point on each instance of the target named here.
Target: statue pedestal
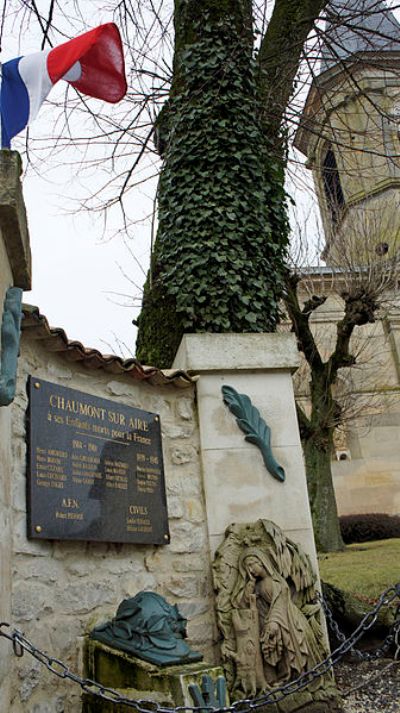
(137, 679)
(237, 486)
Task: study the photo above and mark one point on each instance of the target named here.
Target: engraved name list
(95, 469)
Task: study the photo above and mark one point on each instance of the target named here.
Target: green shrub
(369, 527)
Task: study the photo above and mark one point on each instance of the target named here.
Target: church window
(332, 187)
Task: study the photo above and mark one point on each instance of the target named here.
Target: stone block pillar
(15, 270)
(237, 486)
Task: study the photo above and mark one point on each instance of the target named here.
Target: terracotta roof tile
(54, 339)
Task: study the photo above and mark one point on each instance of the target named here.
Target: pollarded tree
(365, 290)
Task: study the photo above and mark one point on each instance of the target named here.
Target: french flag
(93, 63)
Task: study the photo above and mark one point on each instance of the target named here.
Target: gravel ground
(379, 683)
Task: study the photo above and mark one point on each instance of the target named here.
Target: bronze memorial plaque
(95, 469)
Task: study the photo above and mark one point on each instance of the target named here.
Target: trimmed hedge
(368, 527)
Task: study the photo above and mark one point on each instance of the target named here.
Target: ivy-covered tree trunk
(218, 261)
(215, 266)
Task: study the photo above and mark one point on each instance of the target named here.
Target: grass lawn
(364, 569)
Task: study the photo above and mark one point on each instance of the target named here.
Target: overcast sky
(80, 274)
(78, 283)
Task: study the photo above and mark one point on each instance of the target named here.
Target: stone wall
(5, 509)
(61, 589)
(15, 270)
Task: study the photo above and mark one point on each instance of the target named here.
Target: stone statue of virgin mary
(267, 610)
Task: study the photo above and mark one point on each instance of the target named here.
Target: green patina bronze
(10, 336)
(211, 694)
(253, 425)
(150, 628)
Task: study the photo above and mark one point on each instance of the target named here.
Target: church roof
(357, 26)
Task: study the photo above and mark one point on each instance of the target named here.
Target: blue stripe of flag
(14, 102)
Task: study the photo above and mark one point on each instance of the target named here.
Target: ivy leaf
(253, 425)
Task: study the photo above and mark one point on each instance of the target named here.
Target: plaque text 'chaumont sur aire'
(95, 469)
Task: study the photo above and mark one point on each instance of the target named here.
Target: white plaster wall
(60, 589)
(6, 281)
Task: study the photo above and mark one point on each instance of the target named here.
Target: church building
(349, 134)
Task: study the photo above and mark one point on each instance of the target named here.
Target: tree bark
(317, 429)
(280, 55)
(318, 449)
(317, 455)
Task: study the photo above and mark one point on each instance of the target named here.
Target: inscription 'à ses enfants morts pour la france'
(95, 469)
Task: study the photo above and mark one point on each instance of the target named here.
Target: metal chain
(21, 643)
(357, 653)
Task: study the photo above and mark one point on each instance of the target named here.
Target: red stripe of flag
(100, 54)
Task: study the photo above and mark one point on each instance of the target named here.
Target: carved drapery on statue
(267, 609)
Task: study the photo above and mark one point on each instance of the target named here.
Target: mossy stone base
(137, 679)
(95, 704)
